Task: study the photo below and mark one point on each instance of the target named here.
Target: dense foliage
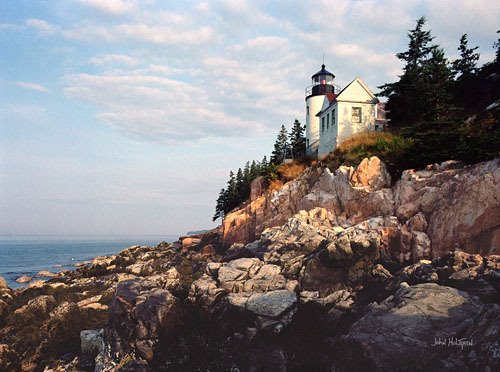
(430, 104)
(238, 186)
(237, 190)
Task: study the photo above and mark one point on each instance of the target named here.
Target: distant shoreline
(30, 254)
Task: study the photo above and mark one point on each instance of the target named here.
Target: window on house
(307, 109)
(356, 115)
(333, 117)
(322, 124)
(327, 120)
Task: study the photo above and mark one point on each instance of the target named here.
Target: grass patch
(275, 185)
(289, 172)
(390, 148)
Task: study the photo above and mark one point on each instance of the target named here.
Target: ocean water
(28, 255)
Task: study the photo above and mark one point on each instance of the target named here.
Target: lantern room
(322, 83)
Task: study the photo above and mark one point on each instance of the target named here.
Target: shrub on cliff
(390, 148)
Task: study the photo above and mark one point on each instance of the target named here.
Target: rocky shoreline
(337, 271)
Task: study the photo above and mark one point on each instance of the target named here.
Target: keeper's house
(333, 115)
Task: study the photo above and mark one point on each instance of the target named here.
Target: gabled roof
(333, 98)
(363, 85)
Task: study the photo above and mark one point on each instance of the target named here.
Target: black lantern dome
(322, 74)
(322, 83)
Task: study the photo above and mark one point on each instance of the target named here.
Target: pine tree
(247, 173)
(232, 194)
(466, 90)
(280, 145)
(254, 170)
(220, 205)
(405, 103)
(240, 187)
(465, 66)
(435, 136)
(436, 90)
(264, 167)
(298, 139)
(418, 48)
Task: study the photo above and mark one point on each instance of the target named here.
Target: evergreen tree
(280, 145)
(220, 205)
(465, 66)
(232, 194)
(298, 139)
(418, 48)
(254, 170)
(466, 90)
(264, 167)
(405, 103)
(246, 173)
(240, 186)
(436, 87)
(436, 135)
(421, 103)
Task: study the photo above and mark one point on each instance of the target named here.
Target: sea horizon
(29, 254)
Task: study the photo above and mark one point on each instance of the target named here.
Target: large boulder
(372, 173)
(423, 327)
(271, 304)
(38, 308)
(140, 314)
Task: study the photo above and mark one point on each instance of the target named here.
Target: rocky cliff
(435, 210)
(337, 271)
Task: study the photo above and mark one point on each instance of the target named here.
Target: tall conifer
(280, 145)
(298, 139)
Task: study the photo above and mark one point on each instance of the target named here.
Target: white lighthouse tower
(322, 88)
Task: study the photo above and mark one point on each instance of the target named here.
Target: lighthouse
(322, 88)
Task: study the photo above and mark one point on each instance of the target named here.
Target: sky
(124, 117)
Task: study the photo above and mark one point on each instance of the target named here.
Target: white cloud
(157, 109)
(141, 32)
(164, 34)
(107, 59)
(112, 7)
(154, 68)
(42, 26)
(32, 86)
(90, 33)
